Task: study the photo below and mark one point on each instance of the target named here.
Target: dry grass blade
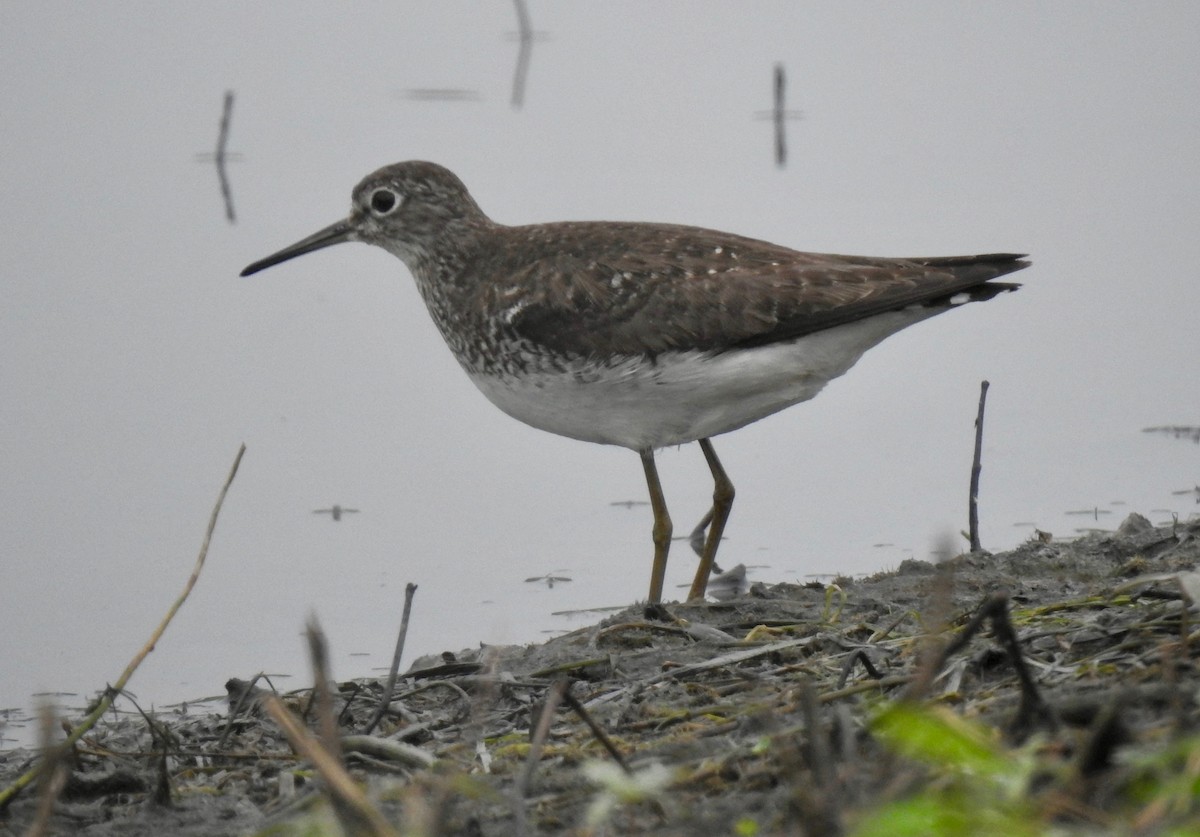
(541, 732)
(327, 727)
(340, 784)
(9, 793)
(729, 659)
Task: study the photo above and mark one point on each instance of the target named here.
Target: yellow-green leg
(722, 503)
(662, 526)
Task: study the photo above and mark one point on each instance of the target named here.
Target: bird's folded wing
(720, 291)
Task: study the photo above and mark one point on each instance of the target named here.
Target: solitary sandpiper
(642, 335)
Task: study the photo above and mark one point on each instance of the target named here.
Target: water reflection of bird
(730, 584)
(336, 512)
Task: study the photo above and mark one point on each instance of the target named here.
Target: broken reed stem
(350, 805)
(9, 793)
(318, 652)
(541, 732)
(537, 739)
(339, 782)
(409, 591)
(976, 467)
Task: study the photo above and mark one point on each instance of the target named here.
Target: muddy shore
(791, 709)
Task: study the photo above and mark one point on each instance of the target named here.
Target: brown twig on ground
(443, 684)
(976, 467)
(729, 659)
(390, 688)
(857, 656)
(881, 686)
(9, 793)
(599, 734)
(994, 608)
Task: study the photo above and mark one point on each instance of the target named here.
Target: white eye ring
(384, 201)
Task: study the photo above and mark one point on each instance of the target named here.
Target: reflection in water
(779, 114)
(335, 512)
(525, 36)
(222, 156)
(440, 94)
(1178, 431)
(549, 579)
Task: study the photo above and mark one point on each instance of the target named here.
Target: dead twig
(389, 689)
(994, 609)
(597, 731)
(976, 467)
(729, 659)
(857, 656)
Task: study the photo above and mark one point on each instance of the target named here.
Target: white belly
(680, 397)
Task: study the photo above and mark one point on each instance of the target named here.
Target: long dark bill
(337, 233)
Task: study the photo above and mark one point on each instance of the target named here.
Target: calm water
(136, 361)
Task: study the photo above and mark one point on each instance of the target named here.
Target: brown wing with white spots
(705, 290)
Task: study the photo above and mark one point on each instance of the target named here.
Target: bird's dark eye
(384, 201)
